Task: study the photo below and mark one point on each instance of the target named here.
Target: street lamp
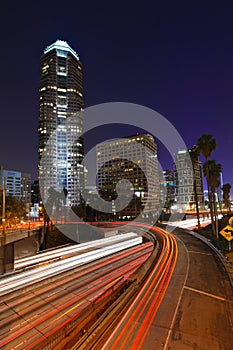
(4, 210)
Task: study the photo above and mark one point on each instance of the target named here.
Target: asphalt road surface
(197, 309)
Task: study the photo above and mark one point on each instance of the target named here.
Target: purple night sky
(173, 57)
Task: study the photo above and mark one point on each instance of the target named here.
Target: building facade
(35, 198)
(167, 189)
(61, 103)
(186, 174)
(18, 184)
(134, 159)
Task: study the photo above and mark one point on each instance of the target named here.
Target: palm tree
(194, 155)
(226, 188)
(207, 144)
(212, 171)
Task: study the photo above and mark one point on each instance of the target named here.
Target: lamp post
(29, 217)
(4, 211)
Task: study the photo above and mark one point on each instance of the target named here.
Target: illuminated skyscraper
(61, 122)
(184, 181)
(133, 158)
(167, 193)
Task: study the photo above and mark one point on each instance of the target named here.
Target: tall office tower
(184, 181)
(35, 198)
(167, 189)
(134, 159)
(26, 187)
(61, 122)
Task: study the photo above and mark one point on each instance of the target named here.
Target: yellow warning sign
(227, 232)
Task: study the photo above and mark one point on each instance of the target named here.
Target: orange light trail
(148, 299)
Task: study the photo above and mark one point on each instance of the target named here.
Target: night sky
(175, 57)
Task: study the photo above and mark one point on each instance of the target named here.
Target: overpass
(17, 243)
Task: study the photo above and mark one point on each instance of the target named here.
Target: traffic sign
(227, 232)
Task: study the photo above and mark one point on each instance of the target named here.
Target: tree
(226, 188)
(194, 155)
(54, 203)
(15, 210)
(207, 144)
(212, 171)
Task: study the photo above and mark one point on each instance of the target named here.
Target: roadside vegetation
(221, 243)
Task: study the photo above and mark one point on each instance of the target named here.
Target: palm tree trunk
(220, 204)
(210, 196)
(211, 210)
(215, 214)
(196, 203)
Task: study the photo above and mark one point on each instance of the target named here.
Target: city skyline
(174, 60)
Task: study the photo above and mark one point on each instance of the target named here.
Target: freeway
(133, 327)
(184, 302)
(203, 316)
(18, 281)
(187, 305)
(30, 319)
(71, 250)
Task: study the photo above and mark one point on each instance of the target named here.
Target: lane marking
(198, 252)
(208, 294)
(66, 312)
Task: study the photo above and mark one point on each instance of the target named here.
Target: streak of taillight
(131, 317)
(145, 325)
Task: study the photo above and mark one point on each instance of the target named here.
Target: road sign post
(227, 233)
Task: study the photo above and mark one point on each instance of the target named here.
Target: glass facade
(61, 122)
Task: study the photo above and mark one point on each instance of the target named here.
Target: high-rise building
(35, 192)
(167, 195)
(61, 122)
(26, 187)
(18, 184)
(133, 158)
(184, 181)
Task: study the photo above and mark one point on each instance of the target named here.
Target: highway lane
(187, 302)
(196, 312)
(25, 321)
(204, 313)
(17, 281)
(68, 251)
(193, 311)
(132, 330)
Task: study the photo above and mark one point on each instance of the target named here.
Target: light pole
(4, 211)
